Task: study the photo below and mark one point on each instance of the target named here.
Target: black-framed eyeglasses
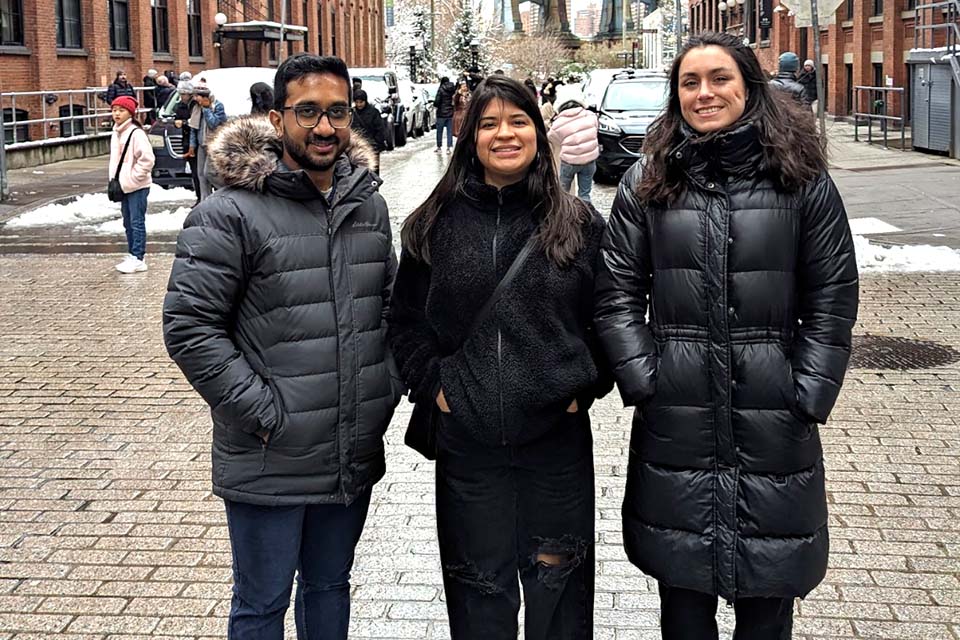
(308, 116)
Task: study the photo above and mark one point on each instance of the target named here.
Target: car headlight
(608, 125)
(156, 141)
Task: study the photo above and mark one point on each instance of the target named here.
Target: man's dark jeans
(498, 509)
(691, 615)
(270, 545)
(448, 124)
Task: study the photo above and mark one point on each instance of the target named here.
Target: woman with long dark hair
(731, 234)
(261, 98)
(512, 384)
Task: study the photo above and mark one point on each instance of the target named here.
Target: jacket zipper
(503, 435)
(336, 315)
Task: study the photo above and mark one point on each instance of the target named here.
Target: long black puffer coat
(275, 311)
(752, 297)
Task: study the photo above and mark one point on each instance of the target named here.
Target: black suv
(630, 103)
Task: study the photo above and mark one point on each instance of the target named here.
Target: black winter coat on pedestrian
(368, 123)
(808, 80)
(275, 311)
(514, 378)
(443, 101)
(115, 90)
(752, 294)
(786, 81)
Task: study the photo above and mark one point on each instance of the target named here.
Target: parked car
(416, 108)
(229, 86)
(429, 94)
(630, 103)
(595, 83)
(382, 89)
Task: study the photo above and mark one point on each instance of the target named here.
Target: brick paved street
(109, 529)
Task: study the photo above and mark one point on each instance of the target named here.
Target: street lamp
(475, 53)
(221, 19)
(413, 63)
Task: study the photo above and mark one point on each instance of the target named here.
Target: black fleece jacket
(513, 379)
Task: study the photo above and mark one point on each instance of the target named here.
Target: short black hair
(444, 80)
(359, 95)
(303, 64)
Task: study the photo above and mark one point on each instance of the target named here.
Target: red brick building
(53, 45)
(866, 45)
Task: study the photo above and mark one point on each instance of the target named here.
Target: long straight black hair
(560, 215)
(792, 152)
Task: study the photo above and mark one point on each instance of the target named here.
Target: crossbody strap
(502, 285)
(123, 155)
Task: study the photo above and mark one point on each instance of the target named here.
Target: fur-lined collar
(246, 151)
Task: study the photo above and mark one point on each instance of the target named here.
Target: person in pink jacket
(135, 179)
(574, 128)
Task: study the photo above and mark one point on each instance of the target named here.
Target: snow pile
(161, 221)
(91, 208)
(878, 258)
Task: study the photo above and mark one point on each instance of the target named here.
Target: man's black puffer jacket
(752, 297)
(787, 82)
(535, 353)
(275, 311)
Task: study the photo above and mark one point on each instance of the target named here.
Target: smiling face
(506, 143)
(711, 89)
(316, 149)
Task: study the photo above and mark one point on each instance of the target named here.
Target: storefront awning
(263, 30)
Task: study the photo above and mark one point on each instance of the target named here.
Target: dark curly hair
(792, 150)
(561, 215)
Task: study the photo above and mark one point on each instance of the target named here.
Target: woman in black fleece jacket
(514, 461)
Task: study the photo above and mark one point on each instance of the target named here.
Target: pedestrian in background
(150, 95)
(786, 79)
(211, 116)
(732, 235)
(443, 101)
(132, 159)
(574, 130)
(461, 101)
(276, 314)
(368, 123)
(808, 79)
(261, 99)
(186, 111)
(510, 378)
(163, 91)
(532, 86)
(120, 87)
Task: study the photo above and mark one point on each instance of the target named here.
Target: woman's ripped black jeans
(514, 511)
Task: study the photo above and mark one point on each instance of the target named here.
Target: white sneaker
(126, 259)
(134, 265)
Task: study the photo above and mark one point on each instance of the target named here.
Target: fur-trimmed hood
(246, 151)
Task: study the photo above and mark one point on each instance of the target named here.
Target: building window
(119, 25)
(850, 9)
(333, 30)
(11, 22)
(161, 30)
(15, 132)
(194, 29)
(878, 7)
(319, 28)
(69, 26)
(804, 44)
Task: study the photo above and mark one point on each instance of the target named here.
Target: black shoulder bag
(424, 424)
(114, 190)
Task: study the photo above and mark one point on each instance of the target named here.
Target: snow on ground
(161, 221)
(90, 208)
(877, 258)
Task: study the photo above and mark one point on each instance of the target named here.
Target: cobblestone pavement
(109, 529)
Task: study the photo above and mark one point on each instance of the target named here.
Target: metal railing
(82, 105)
(879, 105)
(925, 34)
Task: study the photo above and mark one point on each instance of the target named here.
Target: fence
(880, 105)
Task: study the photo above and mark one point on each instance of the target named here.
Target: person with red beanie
(131, 151)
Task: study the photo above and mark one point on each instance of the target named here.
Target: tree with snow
(459, 54)
(411, 28)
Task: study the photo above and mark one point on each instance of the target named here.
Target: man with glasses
(275, 312)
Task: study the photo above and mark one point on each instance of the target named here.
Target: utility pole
(433, 31)
(815, 17)
(4, 187)
(678, 26)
